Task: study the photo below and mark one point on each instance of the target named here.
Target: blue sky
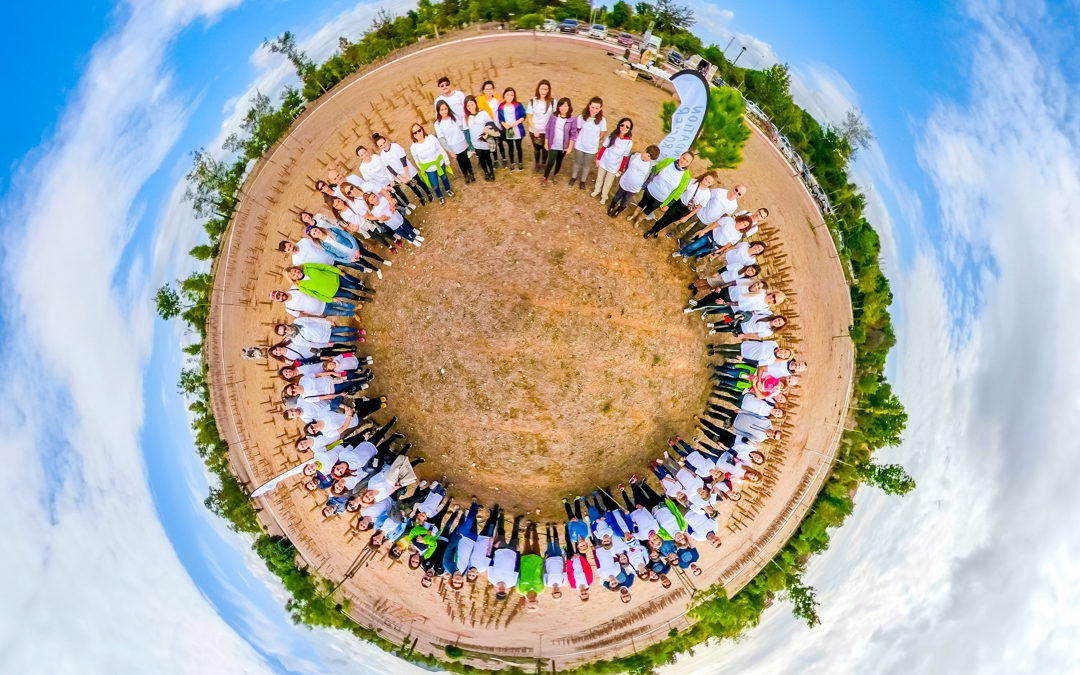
(973, 183)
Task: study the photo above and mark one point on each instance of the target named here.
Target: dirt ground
(532, 348)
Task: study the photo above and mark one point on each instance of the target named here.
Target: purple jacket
(573, 126)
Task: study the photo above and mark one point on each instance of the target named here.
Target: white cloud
(713, 22)
(94, 584)
(976, 570)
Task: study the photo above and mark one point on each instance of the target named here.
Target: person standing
(384, 211)
(505, 568)
(637, 171)
(374, 171)
(448, 131)
(489, 102)
(512, 120)
(481, 127)
(688, 204)
(612, 158)
(559, 137)
(431, 157)
(591, 127)
(531, 580)
(398, 163)
(455, 98)
(666, 184)
(537, 113)
(554, 563)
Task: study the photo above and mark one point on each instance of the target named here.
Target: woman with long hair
(612, 158)
(481, 130)
(431, 157)
(558, 137)
(688, 204)
(512, 119)
(591, 127)
(540, 108)
(489, 102)
(384, 210)
(373, 170)
(449, 132)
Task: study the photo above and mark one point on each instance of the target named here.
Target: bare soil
(532, 349)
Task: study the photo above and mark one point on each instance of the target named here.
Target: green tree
(724, 133)
(286, 44)
(803, 599)
(855, 131)
(671, 18)
(205, 184)
(192, 380)
(530, 21)
(168, 302)
(892, 479)
(620, 15)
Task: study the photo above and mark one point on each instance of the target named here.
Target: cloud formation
(975, 571)
(94, 585)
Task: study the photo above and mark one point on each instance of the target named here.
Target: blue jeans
(406, 229)
(339, 308)
(343, 333)
(350, 282)
(433, 178)
(697, 247)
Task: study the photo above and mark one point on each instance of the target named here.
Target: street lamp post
(737, 57)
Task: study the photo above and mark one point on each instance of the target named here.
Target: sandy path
(245, 392)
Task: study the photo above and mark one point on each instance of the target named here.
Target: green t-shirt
(532, 574)
(322, 282)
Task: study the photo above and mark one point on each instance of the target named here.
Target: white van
(550, 25)
(598, 31)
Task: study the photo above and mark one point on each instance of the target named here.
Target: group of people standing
(612, 538)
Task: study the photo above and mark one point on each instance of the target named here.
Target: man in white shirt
(505, 559)
(455, 98)
(301, 304)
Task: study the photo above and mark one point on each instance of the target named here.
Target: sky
(972, 182)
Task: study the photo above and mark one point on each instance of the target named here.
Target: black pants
(500, 532)
(644, 495)
(399, 194)
(465, 164)
(493, 517)
(576, 512)
(676, 209)
(619, 202)
(606, 503)
(422, 191)
(486, 164)
(554, 159)
(539, 153)
(648, 203)
(513, 145)
(366, 406)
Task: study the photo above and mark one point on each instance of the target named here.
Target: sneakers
(595, 194)
(378, 273)
(676, 254)
(449, 193)
(419, 238)
(442, 200)
(544, 181)
(520, 167)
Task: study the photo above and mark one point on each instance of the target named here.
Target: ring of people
(641, 537)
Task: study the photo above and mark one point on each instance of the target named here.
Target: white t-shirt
(752, 302)
(313, 330)
(302, 303)
(509, 115)
(456, 101)
(316, 386)
(692, 196)
(450, 134)
(700, 524)
(396, 159)
(718, 205)
(431, 503)
(698, 504)
(481, 554)
(588, 138)
(637, 555)
(463, 559)
(312, 411)
(751, 426)
(755, 405)
(665, 182)
(540, 112)
(606, 564)
(666, 518)
(375, 172)
(556, 140)
(477, 124)
(779, 368)
(739, 257)
(761, 352)
(554, 571)
(702, 464)
(614, 154)
(503, 564)
(309, 251)
(725, 233)
(375, 510)
(428, 151)
(637, 171)
(334, 420)
(383, 209)
(758, 323)
(689, 480)
(644, 522)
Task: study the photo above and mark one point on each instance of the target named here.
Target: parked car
(675, 58)
(568, 26)
(550, 25)
(598, 31)
(719, 81)
(625, 40)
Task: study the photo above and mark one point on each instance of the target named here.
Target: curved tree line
(877, 417)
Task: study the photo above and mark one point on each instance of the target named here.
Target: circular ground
(538, 350)
(572, 237)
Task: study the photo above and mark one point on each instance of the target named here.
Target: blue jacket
(519, 113)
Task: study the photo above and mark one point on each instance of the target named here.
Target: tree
(286, 44)
(803, 599)
(724, 133)
(192, 381)
(855, 131)
(892, 479)
(205, 182)
(671, 18)
(620, 15)
(168, 302)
